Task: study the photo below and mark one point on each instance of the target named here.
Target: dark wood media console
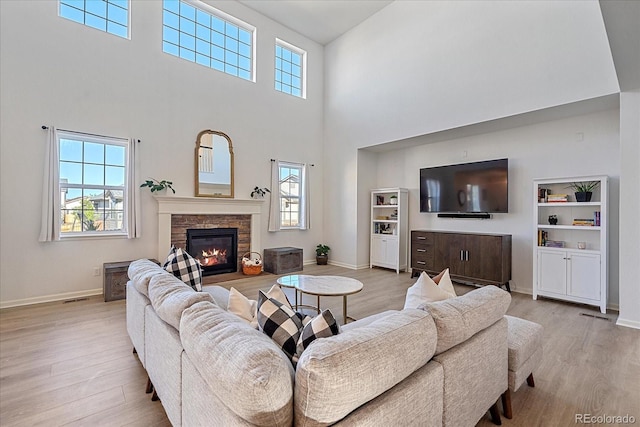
(478, 258)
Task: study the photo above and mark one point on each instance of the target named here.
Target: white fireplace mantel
(168, 205)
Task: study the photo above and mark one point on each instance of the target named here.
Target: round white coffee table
(326, 286)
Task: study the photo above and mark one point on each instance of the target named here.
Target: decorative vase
(583, 196)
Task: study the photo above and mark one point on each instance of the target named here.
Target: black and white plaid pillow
(186, 268)
(293, 331)
(280, 323)
(321, 326)
(170, 256)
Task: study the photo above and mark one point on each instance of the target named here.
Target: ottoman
(524, 339)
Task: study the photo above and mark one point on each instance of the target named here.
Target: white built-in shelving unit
(389, 228)
(577, 270)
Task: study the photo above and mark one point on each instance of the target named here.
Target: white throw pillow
(445, 282)
(247, 309)
(426, 290)
(243, 307)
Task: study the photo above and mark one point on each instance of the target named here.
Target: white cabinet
(389, 228)
(570, 242)
(384, 251)
(570, 275)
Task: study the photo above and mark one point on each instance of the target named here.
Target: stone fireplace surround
(176, 214)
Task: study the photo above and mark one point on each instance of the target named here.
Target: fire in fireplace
(215, 248)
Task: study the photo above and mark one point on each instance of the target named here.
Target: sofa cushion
(427, 290)
(141, 271)
(169, 297)
(458, 319)
(279, 322)
(186, 268)
(243, 368)
(336, 375)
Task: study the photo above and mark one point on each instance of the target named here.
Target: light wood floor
(71, 363)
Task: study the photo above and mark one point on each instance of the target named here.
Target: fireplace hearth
(215, 248)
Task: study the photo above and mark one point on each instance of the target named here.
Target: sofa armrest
(338, 374)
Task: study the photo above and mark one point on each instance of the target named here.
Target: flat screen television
(479, 187)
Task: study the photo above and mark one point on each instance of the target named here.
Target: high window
(93, 173)
(290, 68)
(208, 37)
(111, 16)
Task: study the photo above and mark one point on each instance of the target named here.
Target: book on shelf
(557, 198)
(554, 244)
(596, 218)
(542, 237)
(584, 222)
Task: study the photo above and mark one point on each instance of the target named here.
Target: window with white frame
(199, 33)
(111, 16)
(290, 69)
(93, 190)
(291, 196)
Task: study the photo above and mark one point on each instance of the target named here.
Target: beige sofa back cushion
(338, 374)
(458, 319)
(244, 369)
(140, 273)
(170, 297)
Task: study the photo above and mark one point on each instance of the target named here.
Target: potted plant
(583, 190)
(259, 192)
(158, 186)
(322, 254)
(393, 200)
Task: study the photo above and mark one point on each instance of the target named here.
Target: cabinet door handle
(461, 256)
(466, 255)
(421, 250)
(420, 262)
(421, 238)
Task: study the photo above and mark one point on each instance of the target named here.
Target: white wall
(415, 68)
(545, 150)
(630, 195)
(57, 72)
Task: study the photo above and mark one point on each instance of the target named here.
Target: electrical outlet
(96, 271)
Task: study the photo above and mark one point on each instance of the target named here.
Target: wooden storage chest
(282, 260)
(115, 278)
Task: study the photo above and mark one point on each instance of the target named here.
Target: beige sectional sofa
(445, 364)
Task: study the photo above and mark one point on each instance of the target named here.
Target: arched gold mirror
(214, 165)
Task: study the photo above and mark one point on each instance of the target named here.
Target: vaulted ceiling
(320, 20)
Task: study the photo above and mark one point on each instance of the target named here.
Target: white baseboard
(345, 265)
(628, 323)
(50, 298)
